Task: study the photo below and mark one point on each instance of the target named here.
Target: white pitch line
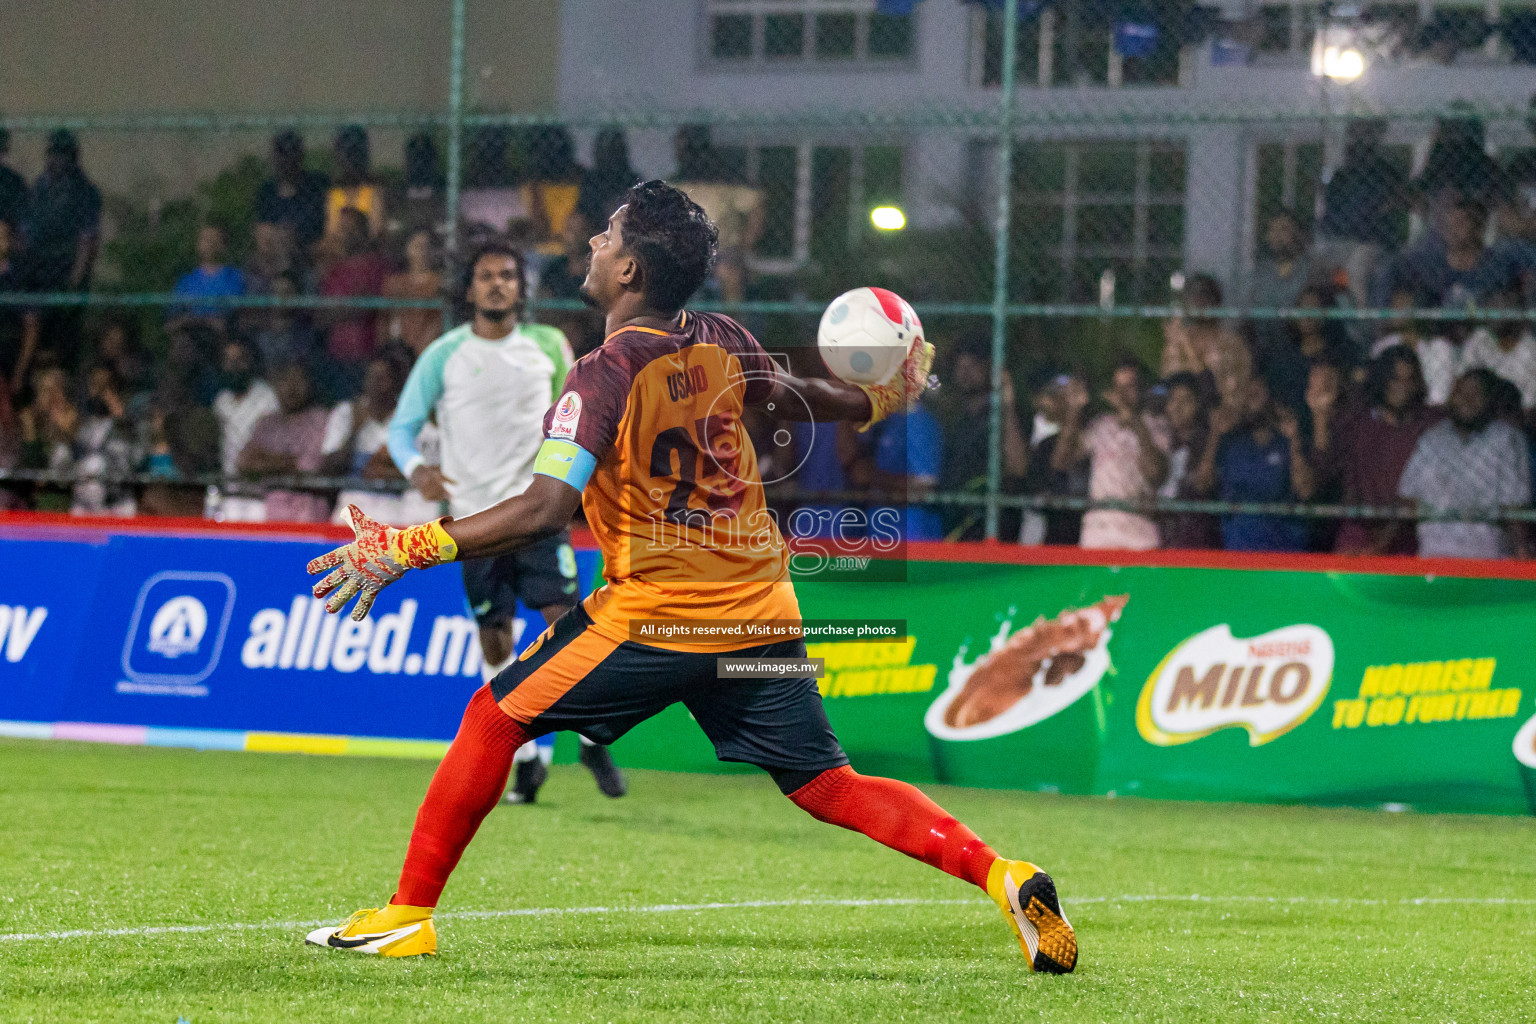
(667, 908)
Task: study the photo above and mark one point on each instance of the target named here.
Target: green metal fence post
(1000, 261)
(455, 129)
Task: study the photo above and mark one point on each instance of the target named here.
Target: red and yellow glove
(378, 556)
(903, 389)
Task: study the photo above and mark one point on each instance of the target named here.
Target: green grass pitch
(1304, 914)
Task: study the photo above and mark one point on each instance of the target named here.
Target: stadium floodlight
(1341, 63)
(888, 218)
(1338, 49)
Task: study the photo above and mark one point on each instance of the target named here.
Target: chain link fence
(1258, 257)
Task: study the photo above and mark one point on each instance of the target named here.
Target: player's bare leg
(898, 815)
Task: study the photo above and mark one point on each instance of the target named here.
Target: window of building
(831, 32)
(1083, 208)
(816, 198)
(1073, 45)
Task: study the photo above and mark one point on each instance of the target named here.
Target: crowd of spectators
(261, 393)
(1408, 412)
(231, 407)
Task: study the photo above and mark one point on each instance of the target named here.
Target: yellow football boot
(393, 931)
(1027, 897)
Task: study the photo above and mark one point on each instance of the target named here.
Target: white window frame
(759, 60)
(1045, 59)
(805, 148)
(1071, 199)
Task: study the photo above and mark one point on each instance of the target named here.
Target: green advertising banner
(1188, 683)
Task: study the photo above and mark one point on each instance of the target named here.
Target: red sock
(899, 816)
(465, 788)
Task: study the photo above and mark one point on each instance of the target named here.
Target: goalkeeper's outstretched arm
(825, 401)
(379, 555)
(541, 511)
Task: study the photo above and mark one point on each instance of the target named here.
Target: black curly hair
(495, 247)
(672, 238)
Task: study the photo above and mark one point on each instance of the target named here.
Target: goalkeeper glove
(377, 557)
(904, 389)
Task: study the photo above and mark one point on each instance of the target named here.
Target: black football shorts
(574, 678)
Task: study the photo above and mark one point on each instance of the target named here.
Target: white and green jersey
(490, 398)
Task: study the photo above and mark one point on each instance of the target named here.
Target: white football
(865, 335)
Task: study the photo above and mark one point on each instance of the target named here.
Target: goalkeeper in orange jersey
(648, 437)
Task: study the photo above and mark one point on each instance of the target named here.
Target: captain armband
(565, 461)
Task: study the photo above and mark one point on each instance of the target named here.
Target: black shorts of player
(574, 678)
(540, 575)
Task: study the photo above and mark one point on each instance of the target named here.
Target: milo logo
(1266, 684)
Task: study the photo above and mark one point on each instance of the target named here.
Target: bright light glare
(888, 218)
(1343, 63)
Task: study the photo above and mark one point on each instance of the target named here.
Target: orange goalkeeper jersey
(674, 498)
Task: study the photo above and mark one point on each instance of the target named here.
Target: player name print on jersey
(687, 383)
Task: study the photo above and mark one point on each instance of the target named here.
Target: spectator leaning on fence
(48, 428)
(1202, 344)
(1056, 526)
(1375, 446)
(104, 449)
(1254, 454)
(244, 399)
(1436, 355)
(1127, 453)
(1187, 410)
(1471, 462)
(293, 197)
(1505, 346)
(1326, 406)
(290, 442)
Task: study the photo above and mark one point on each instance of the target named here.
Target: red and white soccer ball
(865, 335)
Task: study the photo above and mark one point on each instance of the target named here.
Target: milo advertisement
(1187, 683)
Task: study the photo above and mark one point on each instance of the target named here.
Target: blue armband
(565, 461)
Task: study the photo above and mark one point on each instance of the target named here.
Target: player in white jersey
(490, 382)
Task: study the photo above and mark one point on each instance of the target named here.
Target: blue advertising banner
(206, 632)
